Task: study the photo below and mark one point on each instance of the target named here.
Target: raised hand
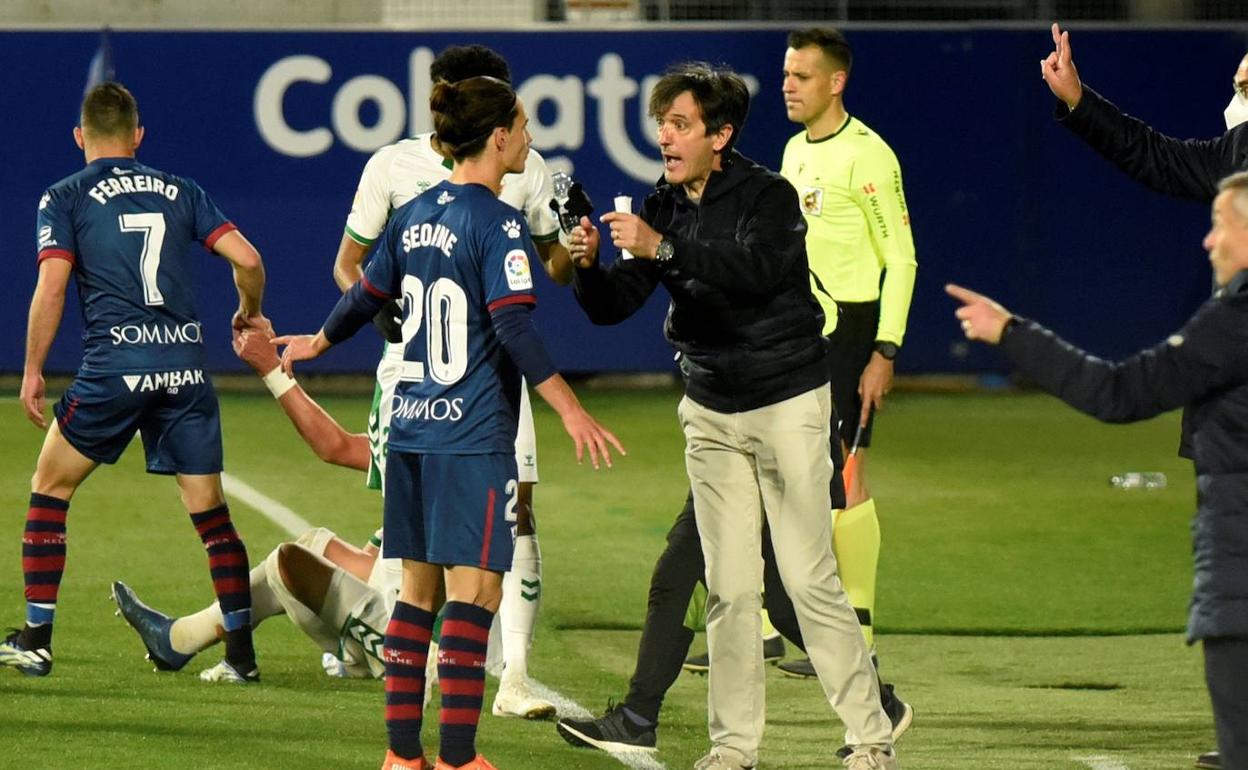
(300, 347)
(1058, 70)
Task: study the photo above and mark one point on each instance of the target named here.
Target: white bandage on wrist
(278, 382)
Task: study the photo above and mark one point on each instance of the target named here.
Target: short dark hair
(460, 62)
(831, 41)
(721, 95)
(109, 110)
(1238, 184)
(466, 112)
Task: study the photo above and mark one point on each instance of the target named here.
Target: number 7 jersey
(453, 255)
(128, 230)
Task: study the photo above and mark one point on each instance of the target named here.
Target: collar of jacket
(1237, 285)
(732, 166)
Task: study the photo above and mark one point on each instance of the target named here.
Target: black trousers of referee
(1226, 674)
(665, 639)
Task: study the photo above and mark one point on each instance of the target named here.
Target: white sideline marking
(1101, 762)
(271, 509)
(296, 525)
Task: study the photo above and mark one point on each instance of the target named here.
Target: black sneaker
(773, 649)
(900, 713)
(798, 669)
(1210, 760)
(29, 658)
(697, 664)
(773, 652)
(613, 731)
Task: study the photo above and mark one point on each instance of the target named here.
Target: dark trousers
(1226, 673)
(664, 639)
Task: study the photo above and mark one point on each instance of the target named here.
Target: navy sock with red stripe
(43, 560)
(461, 676)
(227, 561)
(405, 652)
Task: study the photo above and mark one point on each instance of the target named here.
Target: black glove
(389, 321)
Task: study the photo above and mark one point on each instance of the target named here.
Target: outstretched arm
(248, 278)
(329, 440)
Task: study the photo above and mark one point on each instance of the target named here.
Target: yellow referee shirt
(849, 186)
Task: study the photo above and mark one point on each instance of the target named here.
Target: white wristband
(278, 382)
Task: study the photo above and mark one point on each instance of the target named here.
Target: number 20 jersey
(452, 255)
(128, 230)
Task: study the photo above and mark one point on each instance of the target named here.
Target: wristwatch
(887, 349)
(664, 251)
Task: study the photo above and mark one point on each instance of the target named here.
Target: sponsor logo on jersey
(45, 237)
(169, 381)
(512, 228)
(437, 236)
(435, 409)
(43, 202)
(121, 171)
(158, 334)
(445, 198)
(106, 189)
(812, 201)
(516, 268)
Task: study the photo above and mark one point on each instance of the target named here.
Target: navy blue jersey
(128, 230)
(453, 254)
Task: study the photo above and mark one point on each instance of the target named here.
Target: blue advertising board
(277, 126)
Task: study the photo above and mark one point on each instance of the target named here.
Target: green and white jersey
(399, 172)
(393, 176)
(849, 187)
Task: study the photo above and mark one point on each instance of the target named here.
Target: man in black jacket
(1204, 367)
(1184, 168)
(726, 238)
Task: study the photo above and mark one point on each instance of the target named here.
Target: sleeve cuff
(217, 234)
(56, 254)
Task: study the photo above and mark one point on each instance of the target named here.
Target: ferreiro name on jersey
(106, 189)
(437, 236)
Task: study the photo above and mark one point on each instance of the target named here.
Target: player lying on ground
(340, 595)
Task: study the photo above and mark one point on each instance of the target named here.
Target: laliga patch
(812, 201)
(516, 266)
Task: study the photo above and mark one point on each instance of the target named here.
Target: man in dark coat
(1204, 367)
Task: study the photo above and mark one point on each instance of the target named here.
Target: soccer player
(1202, 366)
(125, 231)
(459, 258)
(393, 176)
(862, 272)
(341, 596)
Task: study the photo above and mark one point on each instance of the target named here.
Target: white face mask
(1236, 112)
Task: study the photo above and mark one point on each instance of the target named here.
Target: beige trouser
(773, 461)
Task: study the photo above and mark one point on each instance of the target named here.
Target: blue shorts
(175, 412)
(451, 509)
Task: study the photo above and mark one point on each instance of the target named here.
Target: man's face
(810, 84)
(1227, 241)
(688, 152)
(518, 141)
(1241, 78)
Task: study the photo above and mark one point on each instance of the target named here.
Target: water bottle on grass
(1138, 480)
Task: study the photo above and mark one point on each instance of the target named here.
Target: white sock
(198, 631)
(522, 592)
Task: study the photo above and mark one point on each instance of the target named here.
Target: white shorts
(388, 371)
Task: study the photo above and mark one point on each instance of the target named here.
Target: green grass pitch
(1030, 612)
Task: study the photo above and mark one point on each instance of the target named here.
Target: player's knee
(316, 540)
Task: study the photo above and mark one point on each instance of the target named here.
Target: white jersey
(394, 175)
(399, 172)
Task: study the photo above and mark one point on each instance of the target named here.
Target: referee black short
(849, 349)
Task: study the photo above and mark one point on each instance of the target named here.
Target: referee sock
(43, 564)
(405, 652)
(461, 676)
(227, 561)
(856, 543)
